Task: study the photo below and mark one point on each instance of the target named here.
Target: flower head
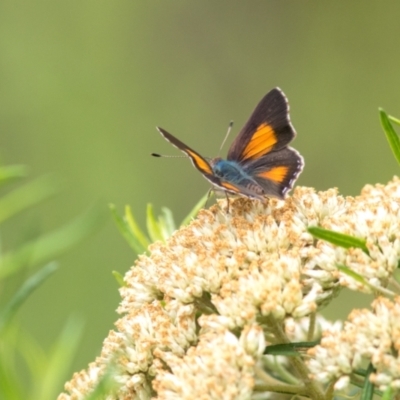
(367, 335)
(197, 311)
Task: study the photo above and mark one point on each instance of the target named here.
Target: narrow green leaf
(338, 239)
(25, 196)
(289, 349)
(391, 135)
(119, 278)
(59, 362)
(51, 245)
(10, 374)
(136, 231)
(153, 227)
(11, 173)
(359, 278)
(367, 392)
(395, 120)
(24, 292)
(359, 383)
(166, 223)
(349, 272)
(360, 371)
(126, 232)
(192, 214)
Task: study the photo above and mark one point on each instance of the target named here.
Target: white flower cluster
(368, 336)
(220, 365)
(239, 270)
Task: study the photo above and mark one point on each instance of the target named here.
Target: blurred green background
(84, 83)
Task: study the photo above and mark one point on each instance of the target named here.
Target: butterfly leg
(227, 202)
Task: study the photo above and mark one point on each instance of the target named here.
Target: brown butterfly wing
(268, 129)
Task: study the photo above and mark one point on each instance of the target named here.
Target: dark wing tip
(278, 89)
(277, 92)
(166, 135)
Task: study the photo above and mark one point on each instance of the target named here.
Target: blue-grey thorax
(230, 171)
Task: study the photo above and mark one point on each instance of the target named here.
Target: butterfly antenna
(226, 136)
(165, 155)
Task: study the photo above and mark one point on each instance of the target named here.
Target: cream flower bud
(198, 310)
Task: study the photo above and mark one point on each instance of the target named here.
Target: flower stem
(300, 390)
(313, 390)
(311, 327)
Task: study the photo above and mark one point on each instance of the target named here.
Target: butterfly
(259, 163)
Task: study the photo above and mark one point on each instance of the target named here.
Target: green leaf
(359, 383)
(153, 227)
(57, 365)
(23, 293)
(192, 214)
(11, 173)
(289, 349)
(25, 196)
(10, 374)
(129, 231)
(166, 223)
(357, 277)
(134, 227)
(395, 120)
(367, 392)
(338, 239)
(119, 278)
(360, 371)
(391, 135)
(52, 244)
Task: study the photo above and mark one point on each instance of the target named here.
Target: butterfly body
(259, 163)
(231, 171)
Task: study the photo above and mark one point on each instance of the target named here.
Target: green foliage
(391, 135)
(289, 349)
(160, 228)
(25, 290)
(388, 394)
(200, 204)
(338, 239)
(367, 392)
(45, 372)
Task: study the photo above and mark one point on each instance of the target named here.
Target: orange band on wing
(230, 187)
(261, 142)
(200, 162)
(277, 174)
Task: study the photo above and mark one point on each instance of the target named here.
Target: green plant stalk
(311, 327)
(313, 389)
(279, 370)
(281, 388)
